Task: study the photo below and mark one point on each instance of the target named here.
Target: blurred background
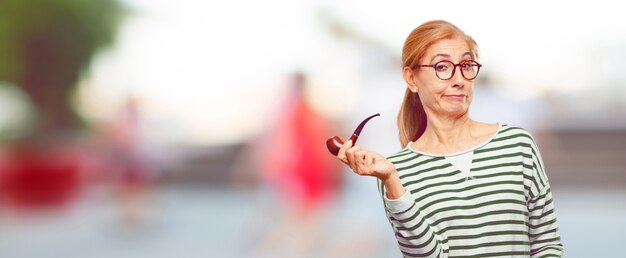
(152, 128)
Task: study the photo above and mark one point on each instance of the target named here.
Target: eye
(442, 67)
(467, 65)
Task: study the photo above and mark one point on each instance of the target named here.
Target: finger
(360, 162)
(369, 160)
(350, 155)
(359, 156)
(341, 155)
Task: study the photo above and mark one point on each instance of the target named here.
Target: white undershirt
(463, 162)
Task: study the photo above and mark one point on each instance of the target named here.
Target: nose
(457, 78)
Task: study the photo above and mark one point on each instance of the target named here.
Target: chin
(458, 111)
(457, 108)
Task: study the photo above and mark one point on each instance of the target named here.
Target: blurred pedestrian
(302, 180)
(133, 171)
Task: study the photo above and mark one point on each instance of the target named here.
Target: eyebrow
(446, 55)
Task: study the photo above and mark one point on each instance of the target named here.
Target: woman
(460, 188)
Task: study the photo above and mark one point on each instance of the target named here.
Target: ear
(410, 77)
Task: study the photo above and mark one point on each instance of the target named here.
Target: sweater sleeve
(415, 236)
(543, 231)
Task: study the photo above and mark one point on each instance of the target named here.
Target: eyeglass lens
(445, 69)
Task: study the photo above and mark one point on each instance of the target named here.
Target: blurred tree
(45, 45)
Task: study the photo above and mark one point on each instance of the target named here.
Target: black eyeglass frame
(472, 63)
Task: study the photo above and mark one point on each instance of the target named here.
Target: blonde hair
(412, 117)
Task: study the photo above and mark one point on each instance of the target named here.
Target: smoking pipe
(335, 143)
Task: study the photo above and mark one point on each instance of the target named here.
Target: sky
(212, 72)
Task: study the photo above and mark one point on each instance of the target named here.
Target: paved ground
(202, 222)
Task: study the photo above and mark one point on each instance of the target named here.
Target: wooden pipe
(334, 144)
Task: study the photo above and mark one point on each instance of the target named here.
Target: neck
(449, 132)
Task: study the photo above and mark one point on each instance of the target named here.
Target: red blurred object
(41, 177)
(295, 163)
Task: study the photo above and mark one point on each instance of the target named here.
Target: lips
(455, 96)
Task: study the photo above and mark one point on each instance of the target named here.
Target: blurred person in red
(295, 163)
(296, 169)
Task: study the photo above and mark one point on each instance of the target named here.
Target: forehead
(455, 48)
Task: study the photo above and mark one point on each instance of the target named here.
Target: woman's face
(443, 97)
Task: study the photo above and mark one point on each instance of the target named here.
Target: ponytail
(411, 118)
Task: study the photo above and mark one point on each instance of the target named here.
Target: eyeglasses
(445, 69)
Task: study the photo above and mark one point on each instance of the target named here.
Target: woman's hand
(366, 163)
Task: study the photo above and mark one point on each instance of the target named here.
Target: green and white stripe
(504, 209)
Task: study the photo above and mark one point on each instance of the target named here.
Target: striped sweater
(503, 208)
